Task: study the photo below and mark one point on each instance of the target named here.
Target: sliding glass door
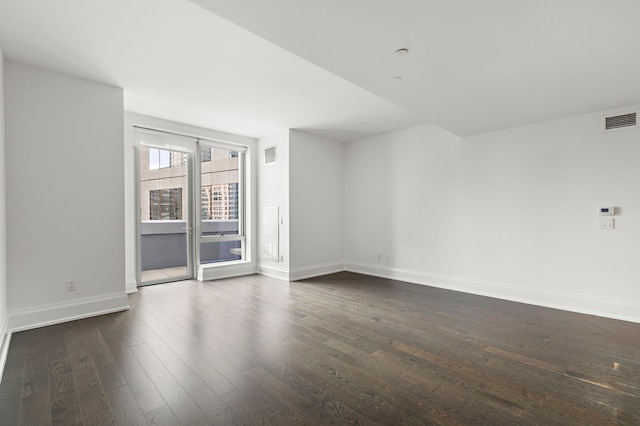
(174, 242)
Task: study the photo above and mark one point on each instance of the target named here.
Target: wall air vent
(621, 121)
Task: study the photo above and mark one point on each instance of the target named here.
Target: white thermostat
(606, 210)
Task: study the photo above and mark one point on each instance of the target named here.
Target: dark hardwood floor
(341, 349)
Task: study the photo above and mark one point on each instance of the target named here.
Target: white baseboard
(604, 307)
(55, 313)
(218, 272)
(274, 272)
(5, 340)
(301, 273)
(131, 285)
(315, 271)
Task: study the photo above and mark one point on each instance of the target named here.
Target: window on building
(165, 204)
(212, 207)
(178, 159)
(161, 158)
(205, 154)
(158, 159)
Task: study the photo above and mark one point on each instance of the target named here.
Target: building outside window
(219, 202)
(205, 154)
(163, 184)
(165, 204)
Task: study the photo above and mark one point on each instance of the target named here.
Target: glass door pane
(165, 225)
(220, 251)
(221, 233)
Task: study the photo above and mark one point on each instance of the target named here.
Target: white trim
(315, 270)
(604, 307)
(131, 285)
(216, 272)
(274, 272)
(221, 238)
(5, 341)
(222, 144)
(302, 272)
(55, 313)
(167, 126)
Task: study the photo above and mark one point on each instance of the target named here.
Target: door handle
(188, 228)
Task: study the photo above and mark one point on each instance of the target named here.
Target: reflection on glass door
(221, 207)
(165, 225)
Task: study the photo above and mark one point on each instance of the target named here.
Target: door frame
(189, 218)
(191, 145)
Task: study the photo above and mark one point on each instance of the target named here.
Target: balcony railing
(164, 243)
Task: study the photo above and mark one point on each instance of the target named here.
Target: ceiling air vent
(621, 121)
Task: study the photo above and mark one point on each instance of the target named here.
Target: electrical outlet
(379, 256)
(71, 285)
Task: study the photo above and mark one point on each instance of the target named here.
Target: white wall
(273, 191)
(510, 214)
(316, 205)
(4, 317)
(65, 199)
(392, 180)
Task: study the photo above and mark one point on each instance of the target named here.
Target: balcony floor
(166, 274)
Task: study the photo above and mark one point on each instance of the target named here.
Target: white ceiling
(179, 62)
(474, 66)
(254, 67)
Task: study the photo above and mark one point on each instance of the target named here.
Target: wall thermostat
(607, 210)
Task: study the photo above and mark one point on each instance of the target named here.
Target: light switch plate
(606, 223)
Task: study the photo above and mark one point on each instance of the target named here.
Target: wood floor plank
(162, 416)
(14, 364)
(310, 411)
(125, 409)
(95, 406)
(245, 409)
(12, 380)
(181, 404)
(139, 383)
(35, 406)
(318, 359)
(215, 347)
(220, 374)
(343, 348)
(10, 395)
(63, 401)
(359, 384)
(155, 342)
(110, 375)
(92, 399)
(76, 346)
(211, 404)
(211, 376)
(65, 406)
(118, 327)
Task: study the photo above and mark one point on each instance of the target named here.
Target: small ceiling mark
(393, 81)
